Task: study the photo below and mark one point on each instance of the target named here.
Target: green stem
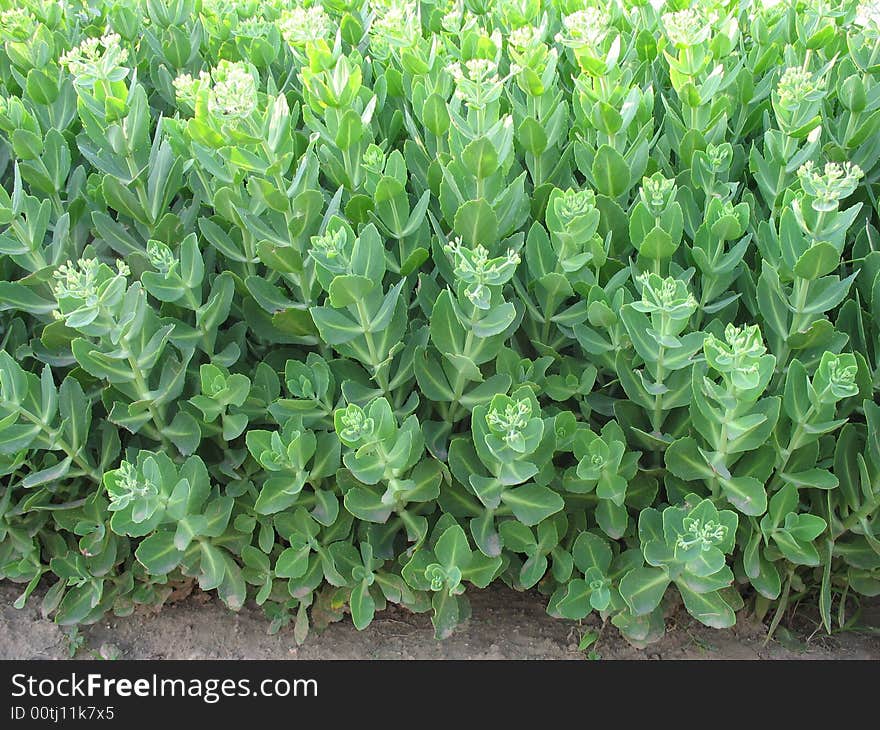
(856, 517)
(546, 326)
(54, 438)
(807, 56)
(143, 393)
(657, 413)
(281, 184)
(375, 362)
(794, 443)
(190, 299)
(721, 446)
(820, 224)
(801, 292)
(780, 609)
(138, 186)
(460, 380)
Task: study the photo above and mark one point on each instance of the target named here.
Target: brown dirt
(505, 625)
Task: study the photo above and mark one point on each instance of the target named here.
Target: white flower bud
(300, 25)
(686, 28)
(96, 59)
(234, 93)
(584, 28)
(797, 85)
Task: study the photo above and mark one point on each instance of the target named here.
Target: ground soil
(504, 625)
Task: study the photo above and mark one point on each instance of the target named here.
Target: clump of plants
(333, 305)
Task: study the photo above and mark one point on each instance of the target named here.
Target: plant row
(338, 305)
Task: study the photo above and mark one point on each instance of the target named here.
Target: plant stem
(54, 438)
(375, 362)
(143, 393)
(657, 413)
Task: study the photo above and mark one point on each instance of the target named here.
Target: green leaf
(367, 505)
(708, 608)
(476, 223)
(382, 318)
(14, 295)
(452, 549)
(184, 433)
(532, 503)
(435, 115)
(747, 494)
(480, 158)
(657, 244)
(335, 327)
(815, 478)
(78, 603)
(49, 475)
(532, 136)
(158, 553)
(638, 327)
(277, 494)
(496, 321)
(684, 460)
(26, 145)
(345, 290)
(643, 589)
(575, 604)
(293, 562)
(591, 551)
(610, 172)
(818, 260)
(362, 606)
(99, 365)
(213, 566)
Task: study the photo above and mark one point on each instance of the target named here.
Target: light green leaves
(222, 396)
(512, 427)
(335, 307)
(387, 466)
(792, 533)
(442, 569)
(593, 558)
(284, 455)
(686, 546)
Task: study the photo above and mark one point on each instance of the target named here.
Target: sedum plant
(331, 305)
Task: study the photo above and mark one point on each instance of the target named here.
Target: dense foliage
(338, 305)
